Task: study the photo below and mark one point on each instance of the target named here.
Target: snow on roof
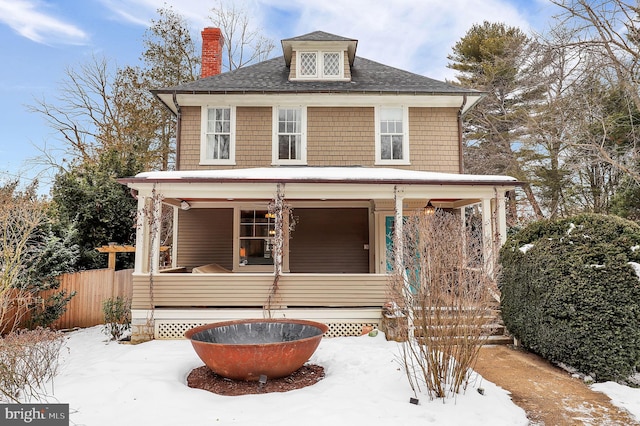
(323, 174)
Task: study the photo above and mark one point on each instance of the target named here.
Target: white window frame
(299, 62)
(239, 265)
(405, 136)
(203, 137)
(319, 74)
(275, 139)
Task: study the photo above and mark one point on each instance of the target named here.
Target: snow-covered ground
(107, 383)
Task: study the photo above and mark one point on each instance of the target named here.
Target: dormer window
(308, 64)
(320, 65)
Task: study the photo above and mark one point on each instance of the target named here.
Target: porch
(332, 267)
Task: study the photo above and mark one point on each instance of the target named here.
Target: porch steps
(495, 333)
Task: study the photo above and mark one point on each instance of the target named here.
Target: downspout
(178, 129)
(460, 154)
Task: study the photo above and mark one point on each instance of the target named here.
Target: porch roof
(331, 175)
(319, 183)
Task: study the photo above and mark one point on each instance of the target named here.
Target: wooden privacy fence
(92, 288)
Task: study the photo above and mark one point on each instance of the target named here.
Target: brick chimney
(212, 43)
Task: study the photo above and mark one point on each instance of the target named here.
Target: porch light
(184, 205)
(270, 215)
(429, 209)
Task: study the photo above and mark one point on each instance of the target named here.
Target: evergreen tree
(89, 199)
(492, 58)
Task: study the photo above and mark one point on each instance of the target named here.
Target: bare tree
(244, 44)
(82, 110)
(609, 30)
(445, 292)
(551, 122)
(170, 59)
(21, 213)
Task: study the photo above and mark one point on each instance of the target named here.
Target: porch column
(156, 229)
(501, 217)
(174, 240)
(142, 236)
(487, 235)
(398, 195)
(279, 208)
(463, 231)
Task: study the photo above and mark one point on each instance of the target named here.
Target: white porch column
(398, 195)
(279, 229)
(487, 235)
(463, 230)
(501, 217)
(156, 228)
(174, 241)
(142, 236)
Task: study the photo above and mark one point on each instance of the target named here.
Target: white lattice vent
(176, 329)
(341, 329)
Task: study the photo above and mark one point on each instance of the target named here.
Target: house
(345, 143)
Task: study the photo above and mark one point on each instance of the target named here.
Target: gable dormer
(319, 56)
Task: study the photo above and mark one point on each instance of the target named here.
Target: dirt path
(549, 395)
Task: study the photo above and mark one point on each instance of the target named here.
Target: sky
(41, 39)
(106, 383)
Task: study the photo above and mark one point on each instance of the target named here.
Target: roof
(305, 174)
(367, 78)
(272, 76)
(318, 36)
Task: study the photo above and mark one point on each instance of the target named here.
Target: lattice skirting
(173, 323)
(176, 330)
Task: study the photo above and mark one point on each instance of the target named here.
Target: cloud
(140, 12)
(27, 19)
(414, 35)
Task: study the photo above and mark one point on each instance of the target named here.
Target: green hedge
(570, 294)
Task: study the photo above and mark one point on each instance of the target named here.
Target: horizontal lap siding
(247, 290)
(330, 241)
(202, 290)
(205, 236)
(344, 291)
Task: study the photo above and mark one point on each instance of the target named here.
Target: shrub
(117, 316)
(28, 361)
(444, 294)
(571, 294)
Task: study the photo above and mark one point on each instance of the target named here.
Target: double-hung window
(289, 136)
(218, 135)
(392, 136)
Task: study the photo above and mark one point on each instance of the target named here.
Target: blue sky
(40, 39)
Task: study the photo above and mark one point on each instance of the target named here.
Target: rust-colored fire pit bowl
(248, 349)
